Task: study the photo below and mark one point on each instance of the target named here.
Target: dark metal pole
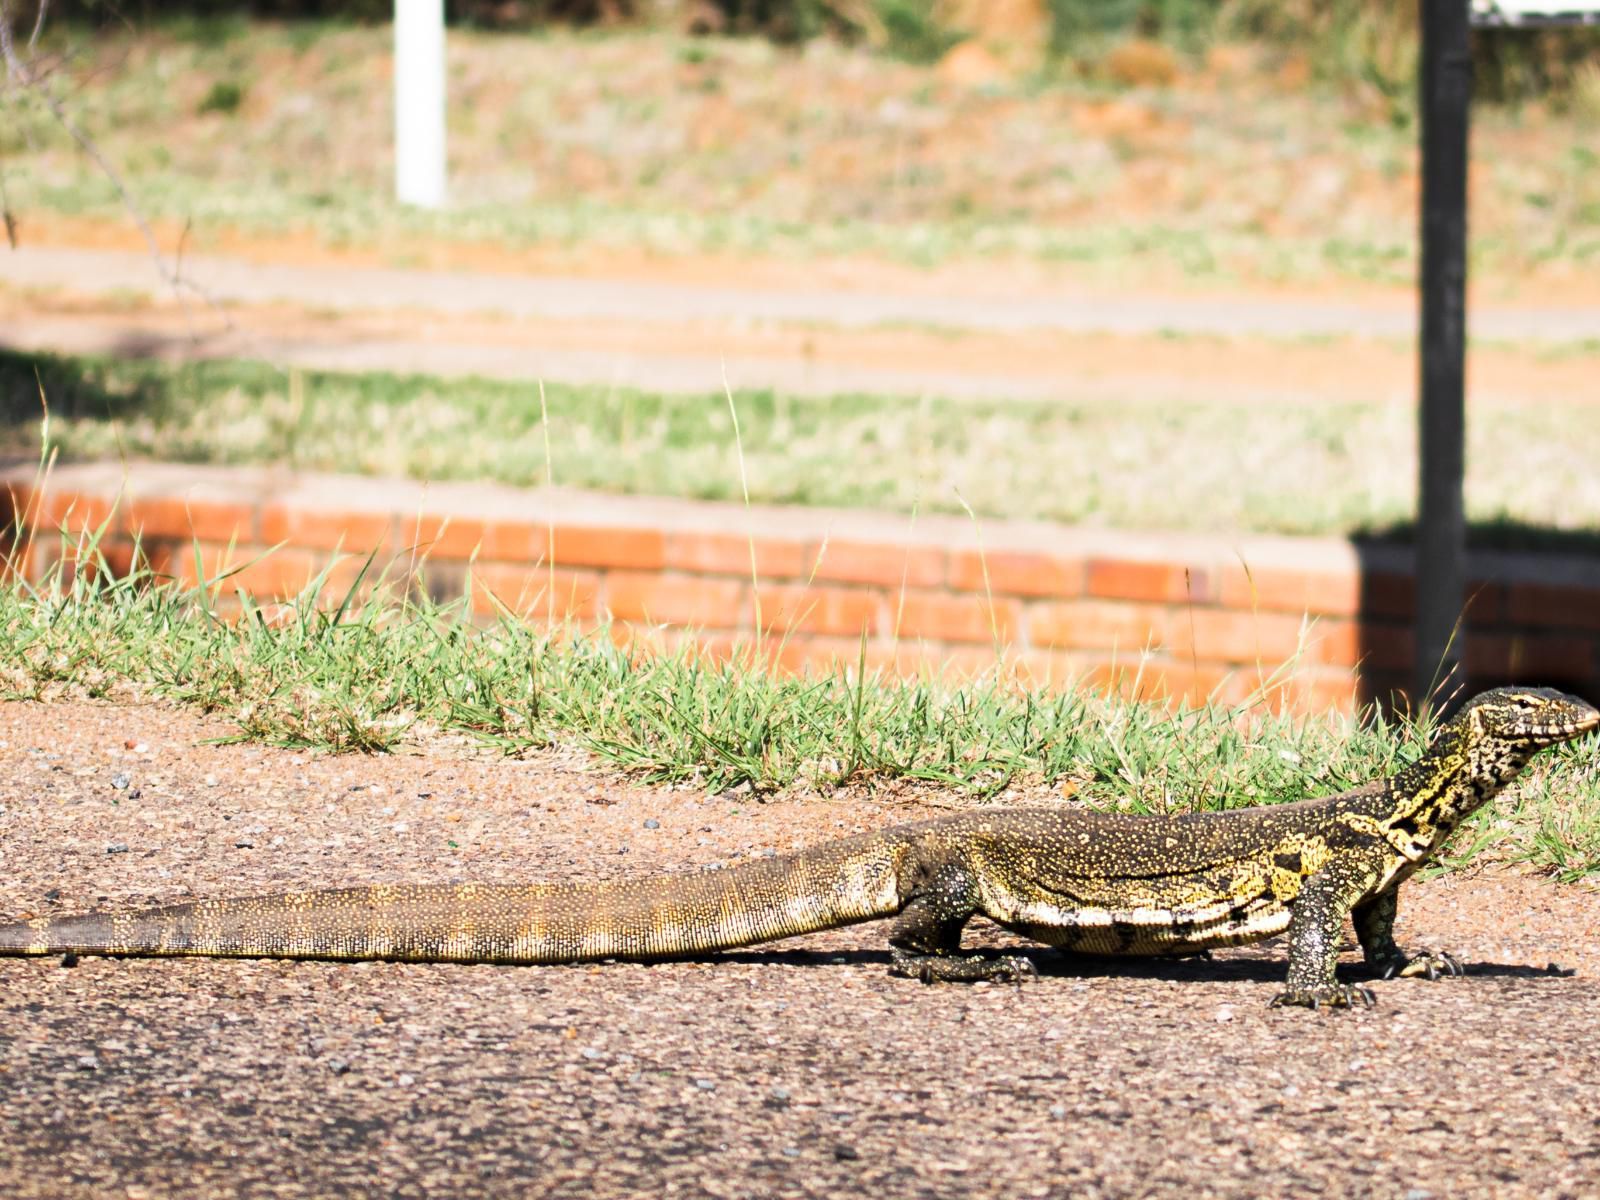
(1446, 93)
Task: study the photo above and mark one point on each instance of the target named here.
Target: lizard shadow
(1057, 964)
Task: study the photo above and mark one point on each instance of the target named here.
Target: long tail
(649, 918)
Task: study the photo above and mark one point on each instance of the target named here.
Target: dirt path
(802, 1070)
(675, 354)
(1000, 307)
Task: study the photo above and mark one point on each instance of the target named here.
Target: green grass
(371, 677)
(652, 142)
(1302, 469)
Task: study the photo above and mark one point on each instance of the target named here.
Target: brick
(441, 582)
(1096, 625)
(954, 617)
(515, 541)
(1386, 647)
(1334, 642)
(450, 537)
(174, 516)
(75, 512)
(675, 599)
(1388, 688)
(729, 554)
(1485, 603)
(718, 648)
(111, 557)
(845, 612)
(908, 660)
(1533, 657)
(967, 663)
(1140, 678)
(444, 537)
(603, 546)
(1316, 692)
(325, 529)
(822, 655)
(285, 574)
(1047, 669)
(535, 592)
(17, 501)
(279, 574)
(1160, 582)
(640, 640)
(1278, 589)
(1235, 636)
(882, 563)
(1385, 594)
(1017, 573)
(1551, 606)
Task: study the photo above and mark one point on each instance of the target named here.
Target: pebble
(590, 1052)
(652, 823)
(1058, 1111)
(120, 782)
(791, 1151)
(338, 1066)
(117, 848)
(846, 1153)
(244, 844)
(706, 1085)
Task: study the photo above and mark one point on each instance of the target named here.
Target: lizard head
(1526, 719)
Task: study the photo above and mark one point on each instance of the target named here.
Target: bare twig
(20, 73)
(38, 24)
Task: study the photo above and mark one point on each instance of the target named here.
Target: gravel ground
(802, 1070)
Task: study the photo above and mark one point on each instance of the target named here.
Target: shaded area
(1530, 614)
(71, 386)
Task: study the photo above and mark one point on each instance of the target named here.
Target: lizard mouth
(1568, 729)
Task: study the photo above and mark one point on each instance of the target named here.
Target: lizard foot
(1429, 965)
(938, 968)
(1334, 995)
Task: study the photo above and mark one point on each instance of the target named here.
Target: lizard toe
(1333, 995)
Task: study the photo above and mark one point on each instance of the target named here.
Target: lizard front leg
(1374, 922)
(1315, 925)
(926, 943)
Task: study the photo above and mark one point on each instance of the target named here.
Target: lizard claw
(1334, 995)
(1429, 965)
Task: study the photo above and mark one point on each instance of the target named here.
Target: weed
(224, 97)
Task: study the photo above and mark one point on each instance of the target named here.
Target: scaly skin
(1081, 881)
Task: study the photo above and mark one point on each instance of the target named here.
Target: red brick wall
(1179, 617)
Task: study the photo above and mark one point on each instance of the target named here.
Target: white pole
(419, 169)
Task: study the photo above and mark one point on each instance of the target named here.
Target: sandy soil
(799, 1070)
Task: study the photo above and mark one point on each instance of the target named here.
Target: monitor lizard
(1079, 880)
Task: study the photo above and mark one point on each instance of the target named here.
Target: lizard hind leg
(926, 942)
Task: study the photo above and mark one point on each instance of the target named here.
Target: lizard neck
(1461, 772)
